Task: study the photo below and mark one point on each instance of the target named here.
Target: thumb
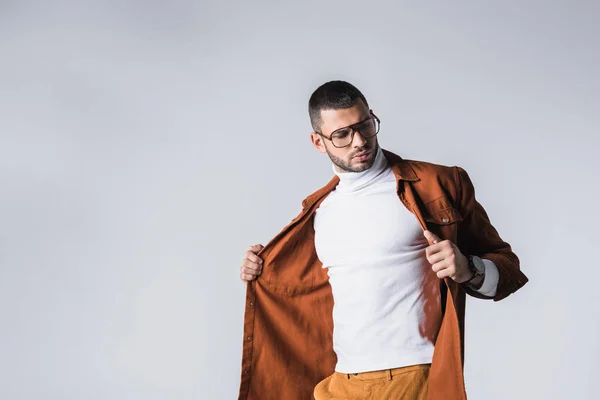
(256, 248)
(432, 237)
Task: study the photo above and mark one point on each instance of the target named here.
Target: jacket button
(248, 338)
(445, 220)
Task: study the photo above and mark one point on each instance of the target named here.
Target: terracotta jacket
(288, 327)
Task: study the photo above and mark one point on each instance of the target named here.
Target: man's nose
(358, 140)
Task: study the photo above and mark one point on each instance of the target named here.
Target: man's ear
(317, 142)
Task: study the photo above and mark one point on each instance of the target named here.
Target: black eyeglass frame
(354, 130)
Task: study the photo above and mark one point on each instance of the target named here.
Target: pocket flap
(446, 216)
(440, 211)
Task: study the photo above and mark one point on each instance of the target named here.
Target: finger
(440, 251)
(251, 264)
(253, 257)
(247, 277)
(433, 249)
(444, 273)
(439, 266)
(432, 237)
(251, 269)
(256, 248)
(435, 257)
(443, 269)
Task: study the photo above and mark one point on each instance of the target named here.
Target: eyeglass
(344, 136)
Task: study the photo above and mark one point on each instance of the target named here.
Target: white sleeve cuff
(490, 282)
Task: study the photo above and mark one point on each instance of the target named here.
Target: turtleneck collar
(354, 181)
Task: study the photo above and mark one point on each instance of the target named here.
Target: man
(362, 295)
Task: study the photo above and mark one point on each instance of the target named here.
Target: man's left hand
(446, 259)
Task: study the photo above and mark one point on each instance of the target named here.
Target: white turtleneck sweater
(387, 310)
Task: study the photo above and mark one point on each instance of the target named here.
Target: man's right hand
(252, 264)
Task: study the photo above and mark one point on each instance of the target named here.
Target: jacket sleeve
(477, 236)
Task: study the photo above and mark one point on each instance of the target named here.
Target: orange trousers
(405, 383)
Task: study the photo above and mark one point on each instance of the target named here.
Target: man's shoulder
(413, 169)
(435, 180)
(431, 180)
(428, 168)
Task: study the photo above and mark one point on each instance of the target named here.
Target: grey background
(145, 144)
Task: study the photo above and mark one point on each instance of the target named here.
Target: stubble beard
(345, 164)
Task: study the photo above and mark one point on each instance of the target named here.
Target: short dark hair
(332, 95)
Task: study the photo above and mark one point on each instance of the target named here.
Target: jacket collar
(400, 167)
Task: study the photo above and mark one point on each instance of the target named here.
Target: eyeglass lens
(343, 137)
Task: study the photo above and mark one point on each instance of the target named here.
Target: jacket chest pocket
(442, 218)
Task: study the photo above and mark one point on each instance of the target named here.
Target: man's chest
(358, 227)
